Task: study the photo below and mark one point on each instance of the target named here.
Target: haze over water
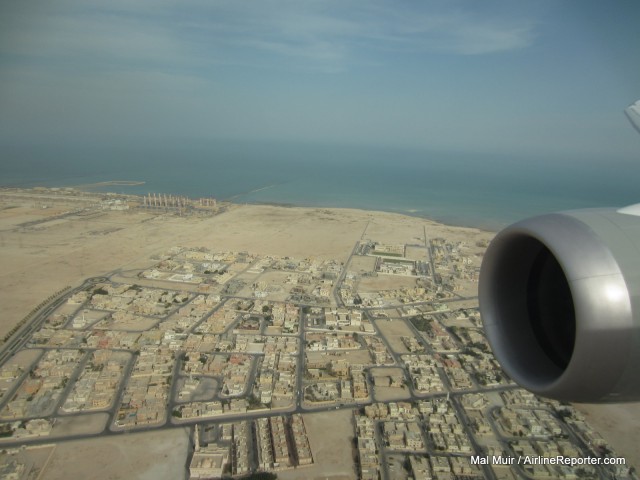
(480, 190)
(476, 113)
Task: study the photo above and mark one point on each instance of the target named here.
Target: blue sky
(536, 77)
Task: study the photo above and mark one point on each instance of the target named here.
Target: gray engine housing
(560, 301)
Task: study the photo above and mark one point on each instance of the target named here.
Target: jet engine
(560, 301)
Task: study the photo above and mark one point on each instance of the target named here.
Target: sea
(481, 190)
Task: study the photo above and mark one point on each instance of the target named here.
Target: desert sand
(330, 436)
(41, 259)
(146, 456)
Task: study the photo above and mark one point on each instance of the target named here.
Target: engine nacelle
(560, 301)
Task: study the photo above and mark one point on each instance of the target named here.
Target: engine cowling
(560, 301)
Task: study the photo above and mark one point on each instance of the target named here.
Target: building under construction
(178, 204)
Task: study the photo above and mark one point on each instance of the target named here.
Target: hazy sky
(541, 77)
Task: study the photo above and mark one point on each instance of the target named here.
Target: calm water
(468, 189)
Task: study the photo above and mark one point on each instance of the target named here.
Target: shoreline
(440, 221)
(489, 226)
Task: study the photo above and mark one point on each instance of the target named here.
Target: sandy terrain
(91, 423)
(25, 358)
(395, 462)
(34, 459)
(619, 424)
(204, 392)
(146, 456)
(330, 435)
(393, 331)
(385, 282)
(354, 356)
(42, 259)
(362, 265)
(383, 393)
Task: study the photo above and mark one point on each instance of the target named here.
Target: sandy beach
(45, 257)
